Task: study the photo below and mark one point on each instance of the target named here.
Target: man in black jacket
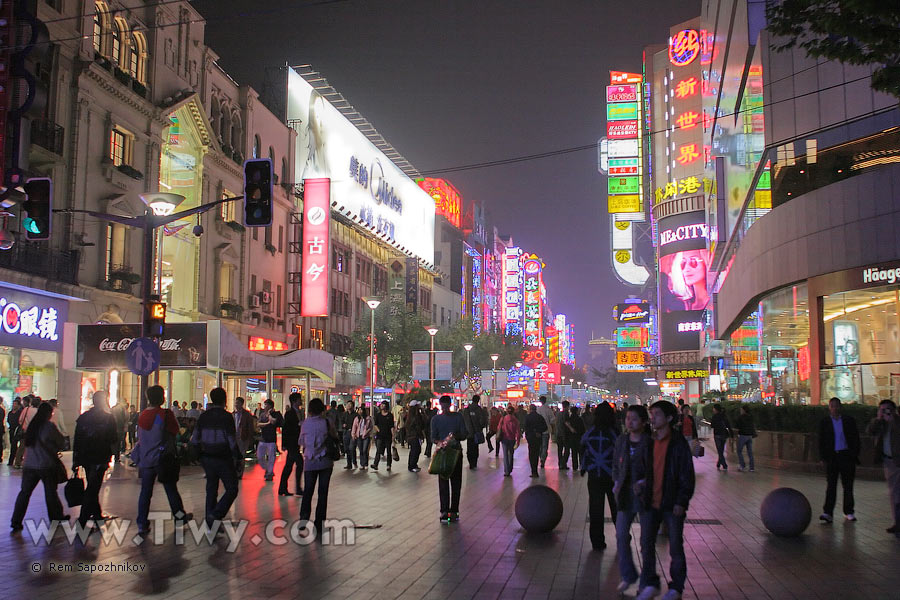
(216, 441)
(721, 432)
(475, 419)
(12, 419)
(290, 443)
(839, 449)
(668, 490)
(535, 426)
(96, 440)
(345, 427)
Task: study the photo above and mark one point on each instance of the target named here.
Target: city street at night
(485, 555)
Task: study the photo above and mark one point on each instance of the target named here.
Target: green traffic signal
(38, 208)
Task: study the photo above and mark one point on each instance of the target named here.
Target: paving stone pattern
(485, 555)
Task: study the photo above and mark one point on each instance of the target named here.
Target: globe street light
(468, 348)
(432, 331)
(373, 304)
(494, 358)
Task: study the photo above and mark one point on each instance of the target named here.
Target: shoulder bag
(74, 489)
(332, 451)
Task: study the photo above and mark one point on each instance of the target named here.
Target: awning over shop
(204, 345)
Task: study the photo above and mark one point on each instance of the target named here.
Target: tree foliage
(629, 383)
(857, 32)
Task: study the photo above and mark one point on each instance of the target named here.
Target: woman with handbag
(319, 446)
(447, 430)
(361, 434)
(42, 443)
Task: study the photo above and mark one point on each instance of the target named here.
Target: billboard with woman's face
(683, 269)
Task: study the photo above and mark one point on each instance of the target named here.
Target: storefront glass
(862, 345)
(24, 372)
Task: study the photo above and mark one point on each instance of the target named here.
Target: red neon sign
(621, 93)
(620, 77)
(447, 200)
(316, 248)
(684, 47)
(621, 130)
(264, 344)
(688, 154)
(688, 120)
(686, 87)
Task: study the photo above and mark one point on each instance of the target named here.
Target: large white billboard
(363, 180)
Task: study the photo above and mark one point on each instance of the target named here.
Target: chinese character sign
(532, 286)
(684, 47)
(31, 321)
(316, 223)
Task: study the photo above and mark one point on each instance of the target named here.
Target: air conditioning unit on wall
(254, 301)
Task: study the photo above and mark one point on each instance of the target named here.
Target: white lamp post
(373, 304)
(468, 348)
(432, 331)
(494, 358)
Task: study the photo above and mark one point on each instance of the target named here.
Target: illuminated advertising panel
(684, 47)
(549, 372)
(560, 323)
(623, 149)
(622, 130)
(629, 203)
(621, 77)
(31, 321)
(631, 360)
(632, 337)
(623, 185)
(316, 249)
(571, 344)
(683, 269)
(638, 312)
(623, 166)
(622, 111)
(365, 183)
(261, 344)
(447, 200)
(551, 334)
(532, 291)
(621, 93)
(512, 292)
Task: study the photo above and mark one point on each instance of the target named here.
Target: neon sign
(690, 326)
(620, 77)
(532, 268)
(686, 87)
(688, 120)
(622, 130)
(447, 200)
(34, 322)
(316, 251)
(684, 47)
(682, 233)
(688, 154)
(512, 295)
(264, 344)
(621, 93)
(687, 374)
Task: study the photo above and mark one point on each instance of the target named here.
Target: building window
(115, 247)
(280, 238)
(121, 143)
(226, 281)
(257, 146)
(139, 58)
(120, 44)
(278, 300)
(228, 208)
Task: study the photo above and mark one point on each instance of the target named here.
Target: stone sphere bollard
(539, 509)
(786, 512)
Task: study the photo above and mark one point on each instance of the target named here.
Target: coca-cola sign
(103, 346)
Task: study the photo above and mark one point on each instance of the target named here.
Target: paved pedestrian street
(485, 555)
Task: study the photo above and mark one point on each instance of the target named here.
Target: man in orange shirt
(669, 490)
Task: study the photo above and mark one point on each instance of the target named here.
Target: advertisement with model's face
(683, 270)
(364, 182)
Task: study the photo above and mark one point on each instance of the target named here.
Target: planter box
(800, 452)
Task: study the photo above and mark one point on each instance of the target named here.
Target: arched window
(139, 57)
(120, 44)
(225, 128)
(284, 171)
(237, 139)
(101, 26)
(257, 147)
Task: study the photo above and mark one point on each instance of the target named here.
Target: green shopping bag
(444, 460)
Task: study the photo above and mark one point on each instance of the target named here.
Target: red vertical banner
(316, 249)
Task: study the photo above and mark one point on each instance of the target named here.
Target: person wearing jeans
(41, 444)
(630, 458)
(721, 432)
(317, 465)
(415, 424)
(746, 433)
(509, 437)
(839, 449)
(269, 422)
(545, 411)
(361, 435)
(668, 490)
(346, 431)
(290, 435)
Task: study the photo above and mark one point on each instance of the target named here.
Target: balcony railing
(48, 135)
(37, 259)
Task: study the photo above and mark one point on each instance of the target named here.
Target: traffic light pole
(148, 222)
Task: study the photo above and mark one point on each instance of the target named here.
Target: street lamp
(161, 204)
(494, 358)
(468, 348)
(432, 331)
(373, 304)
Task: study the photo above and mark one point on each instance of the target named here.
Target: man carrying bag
(96, 440)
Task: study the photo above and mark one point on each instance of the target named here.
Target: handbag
(169, 470)
(74, 489)
(332, 452)
(59, 469)
(444, 460)
(394, 453)
(697, 449)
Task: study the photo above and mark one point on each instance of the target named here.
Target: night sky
(456, 83)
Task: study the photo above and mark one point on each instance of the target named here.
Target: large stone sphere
(786, 512)
(539, 509)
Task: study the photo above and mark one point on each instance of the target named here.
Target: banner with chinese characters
(316, 225)
(687, 374)
(412, 284)
(31, 320)
(533, 307)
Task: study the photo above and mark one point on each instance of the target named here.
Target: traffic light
(155, 318)
(38, 207)
(258, 192)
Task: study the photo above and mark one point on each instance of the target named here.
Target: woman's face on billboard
(693, 267)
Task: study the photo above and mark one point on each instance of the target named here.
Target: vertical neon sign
(316, 247)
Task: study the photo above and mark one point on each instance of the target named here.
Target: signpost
(142, 356)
